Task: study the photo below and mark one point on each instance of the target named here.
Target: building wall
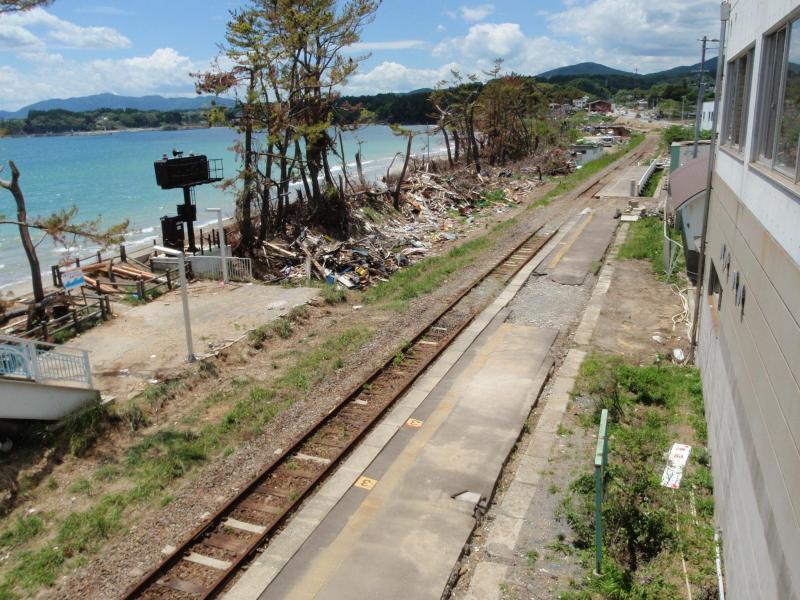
(749, 353)
(750, 364)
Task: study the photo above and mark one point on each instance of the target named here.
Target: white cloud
(629, 33)
(391, 76)
(165, 71)
(441, 28)
(391, 45)
(473, 14)
(38, 27)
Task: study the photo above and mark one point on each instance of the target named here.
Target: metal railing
(600, 467)
(210, 267)
(646, 177)
(42, 362)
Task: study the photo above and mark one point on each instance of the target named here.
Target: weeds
(645, 241)
(649, 405)
(23, 530)
(334, 294)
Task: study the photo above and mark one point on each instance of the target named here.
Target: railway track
(205, 562)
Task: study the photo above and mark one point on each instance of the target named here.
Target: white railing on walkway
(210, 267)
(646, 177)
(42, 362)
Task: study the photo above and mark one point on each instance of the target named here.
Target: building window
(737, 97)
(779, 117)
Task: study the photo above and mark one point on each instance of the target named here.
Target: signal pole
(701, 92)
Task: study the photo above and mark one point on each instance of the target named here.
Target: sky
(139, 47)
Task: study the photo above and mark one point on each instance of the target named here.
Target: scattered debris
(438, 208)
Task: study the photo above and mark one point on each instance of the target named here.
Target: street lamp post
(184, 297)
(222, 246)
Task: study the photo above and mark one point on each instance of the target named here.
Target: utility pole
(701, 92)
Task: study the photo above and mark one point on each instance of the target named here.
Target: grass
(645, 241)
(426, 275)
(589, 169)
(650, 407)
(23, 530)
(159, 459)
(652, 183)
(333, 294)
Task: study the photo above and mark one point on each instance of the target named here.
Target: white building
(749, 343)
(707, 116)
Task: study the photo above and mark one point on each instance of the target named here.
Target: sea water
(111, 176)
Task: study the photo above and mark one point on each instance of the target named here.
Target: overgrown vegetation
(647, 528)
(157, 460)
(652, 183)
(645, 241)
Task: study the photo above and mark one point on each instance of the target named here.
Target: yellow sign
(365, 483)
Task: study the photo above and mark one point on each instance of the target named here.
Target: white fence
(210, 267)
(646, 177)
(42, 362)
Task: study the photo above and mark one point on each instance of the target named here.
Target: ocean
(111, 176)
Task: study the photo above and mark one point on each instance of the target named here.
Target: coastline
(108, 131)
(20, 289)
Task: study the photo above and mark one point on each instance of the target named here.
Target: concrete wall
(750, 364)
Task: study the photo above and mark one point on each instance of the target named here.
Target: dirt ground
(152, 526)
(145, 343)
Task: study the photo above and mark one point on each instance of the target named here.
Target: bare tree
(7, 6)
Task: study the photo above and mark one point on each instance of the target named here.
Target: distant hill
(584, 68)
(113, 101)
(711, 68)
(591, 69)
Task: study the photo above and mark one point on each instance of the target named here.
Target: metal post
(87, 367)
(725, 14)
(222, 246)
(600, 464)
(184, 297)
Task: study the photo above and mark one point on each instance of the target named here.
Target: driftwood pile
(437, 208)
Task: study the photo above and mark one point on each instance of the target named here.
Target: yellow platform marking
(414, 423)
(327, 563)
(578, 231)
(365, 483)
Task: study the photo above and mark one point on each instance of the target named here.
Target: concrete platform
(398, 533)
(582, 248)
(621, 186)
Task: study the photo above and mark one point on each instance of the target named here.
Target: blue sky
(137, 47)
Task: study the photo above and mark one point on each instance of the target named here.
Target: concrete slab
(621, 186)
(587, 250)
(487, 581)
(402, 538)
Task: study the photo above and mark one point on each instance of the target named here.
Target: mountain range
(590, 69)
(97, 101)
(160, 103)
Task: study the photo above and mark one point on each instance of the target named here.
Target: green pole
(600, 464)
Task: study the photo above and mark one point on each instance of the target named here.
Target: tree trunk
(473, 142)
(360, 170)
(396, 195)
(243, 208)
(456, 145)
(447, 145)
(24, 234)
